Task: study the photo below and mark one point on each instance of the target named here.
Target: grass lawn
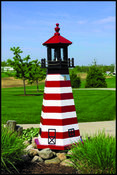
(7, 74)
(111, 82)
(4, 75)
(95, 105)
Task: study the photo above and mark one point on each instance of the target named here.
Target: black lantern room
(57, 52)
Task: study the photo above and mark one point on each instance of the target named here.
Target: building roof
(57, 38)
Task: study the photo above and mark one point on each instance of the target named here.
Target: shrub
(11, 149)
(75, 81)
(95, 78)
(97, 155)
(29, 133)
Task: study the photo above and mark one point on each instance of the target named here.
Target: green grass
(4, 75)
(11, 150)
(91, 105)
(111, 82)
(23, 109)
(29, 133)
(94, 105)
(7, 74)
(97, 155)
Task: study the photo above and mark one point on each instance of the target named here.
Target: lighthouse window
(61, 53)
(71, 132)
(52, 54)
(52, 136)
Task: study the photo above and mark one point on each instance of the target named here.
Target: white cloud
(82, 22)
(108, 19)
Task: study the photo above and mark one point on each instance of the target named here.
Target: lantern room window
(57, 51)
(62, 54)
(52, 54)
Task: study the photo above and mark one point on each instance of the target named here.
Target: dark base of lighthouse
(58, 71)
(39, 146)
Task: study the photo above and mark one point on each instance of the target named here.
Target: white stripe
(58, 115)
(57, 90)
(63, 128)
(58, 102)
(57, 77)
(59, 142)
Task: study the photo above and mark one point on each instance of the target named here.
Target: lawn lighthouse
(58, 125)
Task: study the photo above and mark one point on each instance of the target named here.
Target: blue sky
(90, 25)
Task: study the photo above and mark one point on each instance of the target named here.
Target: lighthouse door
(52, 136)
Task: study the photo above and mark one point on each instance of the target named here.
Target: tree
(21, 66)
(4, 63)
(75, 81)
(36, 73)
(95, 78)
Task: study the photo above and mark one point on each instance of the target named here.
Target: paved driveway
(112, 89)
(88, 128)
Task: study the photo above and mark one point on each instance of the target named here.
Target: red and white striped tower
(58, 125)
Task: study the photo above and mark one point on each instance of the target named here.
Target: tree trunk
(37, 86)
(24, 86)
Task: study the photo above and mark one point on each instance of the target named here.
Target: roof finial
(57, 29)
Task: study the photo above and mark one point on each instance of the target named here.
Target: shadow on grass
(29, 94)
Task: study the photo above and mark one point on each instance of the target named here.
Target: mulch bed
(42, 168)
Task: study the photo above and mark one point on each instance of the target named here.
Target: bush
(29, 133)
(75, 81)
(97, 155)
(11, 149)
(95, 78)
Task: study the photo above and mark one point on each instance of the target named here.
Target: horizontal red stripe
(58, 83)
(59, 135)
(59, 122)
(58, 109)
(63, 96)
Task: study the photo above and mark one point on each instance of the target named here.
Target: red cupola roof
(57, 38)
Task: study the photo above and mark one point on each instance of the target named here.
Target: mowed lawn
(111, 82)
(91, 105)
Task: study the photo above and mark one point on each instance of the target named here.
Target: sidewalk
(88, 128)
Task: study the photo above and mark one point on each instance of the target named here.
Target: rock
(66, 162)
(19, 130)
(33, 142)
(25, 157)
(11, 125)
(46, 153)
(55, 160)
(69, 152)
(33, 152)
(61, 156)
(26, 142)
(28, 148)
(33, 139)
(36, 159)
(54, 153)
(34, 145)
